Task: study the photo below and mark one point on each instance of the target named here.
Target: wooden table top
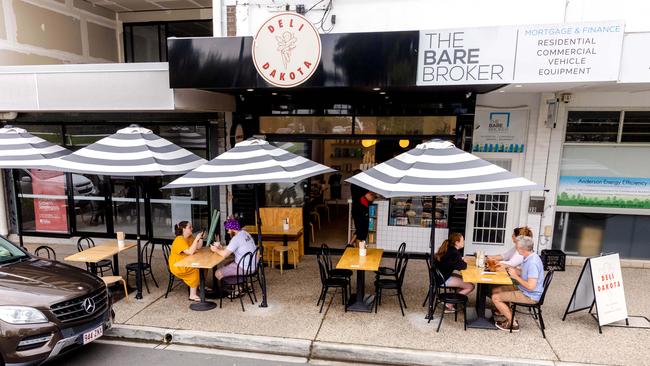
(474, 275)
(202, 258)
(275, 230)
(351, 260)
(99, 252)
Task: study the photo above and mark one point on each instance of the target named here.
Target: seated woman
(185, 244)
(448, 259)
(512, 258)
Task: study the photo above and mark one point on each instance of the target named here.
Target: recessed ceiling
(123, 6)
(574, 87)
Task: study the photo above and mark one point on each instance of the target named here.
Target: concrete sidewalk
(292, 321)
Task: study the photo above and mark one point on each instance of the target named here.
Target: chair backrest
(166, 248)
(401, 253)
(44, 251)
(147, 251)
(327, 258)
(401, 271)
(84, 243)
(322, 268)
(547, 282)
(244, 266)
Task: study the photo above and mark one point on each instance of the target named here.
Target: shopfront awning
(101, 88)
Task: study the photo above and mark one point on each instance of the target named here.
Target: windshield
(9, 252)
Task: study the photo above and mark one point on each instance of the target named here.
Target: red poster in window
(50, 210)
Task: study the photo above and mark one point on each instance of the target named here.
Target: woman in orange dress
(185, 244)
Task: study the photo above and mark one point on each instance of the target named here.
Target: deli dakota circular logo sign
(286, 50)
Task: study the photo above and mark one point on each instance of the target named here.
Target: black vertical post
(432, 289)
(18, 208)
(138, 273)
(258, 221)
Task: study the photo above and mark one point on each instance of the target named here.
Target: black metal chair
(328, 282)
(393, 284)
(443, 297)
(446, 289)
(45, 251)
(170, 284)
(391, 271)
(537, 307)
(255, 274)
(147, 254)
(104, 265)
(334, 272)
(237, 284)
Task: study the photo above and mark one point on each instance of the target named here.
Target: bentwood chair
(334, 272)
(537, 307)
(147, 254)
(392, 271)
(396, 283)
(328, 282)
(45, 252)
(104, 265)
(170, 284)
(237, 284)
(441, 296)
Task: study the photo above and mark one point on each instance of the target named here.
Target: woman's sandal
(198, 299)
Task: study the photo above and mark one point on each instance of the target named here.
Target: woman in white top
(512, 258)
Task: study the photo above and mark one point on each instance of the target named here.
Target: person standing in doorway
(361, 216)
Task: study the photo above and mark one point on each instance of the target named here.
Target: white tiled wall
(416, 238)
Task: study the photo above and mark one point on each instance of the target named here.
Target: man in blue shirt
(530, 284)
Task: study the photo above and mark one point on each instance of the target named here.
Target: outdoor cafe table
(293, 231)
(482, 280)
(353, 261)
(100, 252)
(202, 259)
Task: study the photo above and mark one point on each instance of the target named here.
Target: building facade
(562, 99)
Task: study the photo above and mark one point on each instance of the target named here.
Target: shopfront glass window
(78, 136)
(89, 196)
(593, 126)
(43, 200)
(589, 234)
(192, 138)
(170, 206)
(51, 133)
(636, 127)
(406, 125)
(416, 211)
(287, 194)
(305, 125)
(124, 208)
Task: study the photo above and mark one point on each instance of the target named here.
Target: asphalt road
(113, 353)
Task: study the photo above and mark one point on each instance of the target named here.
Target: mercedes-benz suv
(47, 307)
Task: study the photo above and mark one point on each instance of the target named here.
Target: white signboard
(608, 288)
(569, 52)
(576, 52)
(635, 63)
(286, 50)
(501, 131)
(466, 56)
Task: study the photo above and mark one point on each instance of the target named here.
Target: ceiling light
(376, 89)
(368, 143)
(382, 92)
(250, 90)
(274, 93)
(404, 143)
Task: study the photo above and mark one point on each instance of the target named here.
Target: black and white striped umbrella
(251, 161)
(21, 150)
(439, 168)
(131, 151)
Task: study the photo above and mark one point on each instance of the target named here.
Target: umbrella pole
(259, 242)
(432, 289)
(19, 215)
(138, 273)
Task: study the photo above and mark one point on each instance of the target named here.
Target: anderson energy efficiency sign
(526, 54)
